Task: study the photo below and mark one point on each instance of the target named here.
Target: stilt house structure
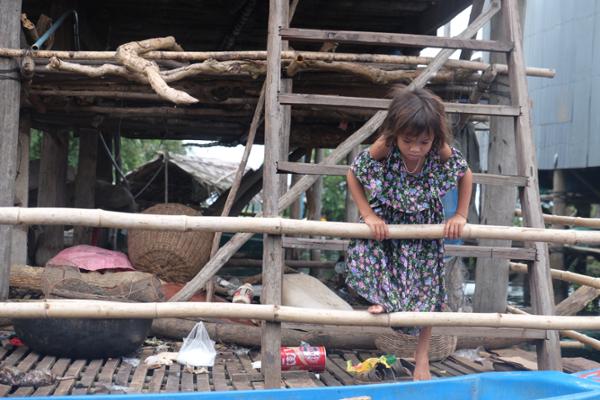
(184, 69)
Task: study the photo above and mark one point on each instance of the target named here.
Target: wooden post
(351, 209)
(10, 30)
(491, 276)
(85, 181)
(557, 251)
(19, 234)
(272, 248)
(51, 190)
(314, 204)
(542, 296)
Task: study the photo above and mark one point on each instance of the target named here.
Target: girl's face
(413, 148)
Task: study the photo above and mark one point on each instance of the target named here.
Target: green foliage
(334, 198)
(134, 152)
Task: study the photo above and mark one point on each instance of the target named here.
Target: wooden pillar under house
(19, 234)
(314, 202)
(559, 207)
(272, 190)
(10, 87)
(85, 181)
(51, 191)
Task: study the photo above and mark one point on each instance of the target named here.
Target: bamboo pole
(262, 55)
(276, 225)
(580, 337)
(562, 275)
(567, 220)
(107, 309)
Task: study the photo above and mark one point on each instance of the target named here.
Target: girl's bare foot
(376, 309)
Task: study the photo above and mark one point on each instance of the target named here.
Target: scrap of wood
(29, 28)
(43, 24)
(129, 54)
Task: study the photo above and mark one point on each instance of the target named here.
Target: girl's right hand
(378, 227)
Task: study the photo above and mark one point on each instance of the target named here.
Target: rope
(4, 74)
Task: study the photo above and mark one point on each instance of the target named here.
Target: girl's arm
(454, 226)
(380, 149)
(374, 222)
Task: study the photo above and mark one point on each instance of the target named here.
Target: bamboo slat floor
(232, 371)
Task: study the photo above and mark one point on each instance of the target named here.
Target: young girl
(406, 171)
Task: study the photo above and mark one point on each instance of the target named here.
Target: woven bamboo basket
(404, 346)
(171, 256)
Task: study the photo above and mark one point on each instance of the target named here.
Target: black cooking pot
(83, 337)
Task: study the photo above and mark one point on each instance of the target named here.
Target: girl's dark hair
(414, 112)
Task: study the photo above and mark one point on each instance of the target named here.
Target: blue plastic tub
(487, 386)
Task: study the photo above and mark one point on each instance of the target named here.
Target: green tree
(134, 152)
(334, 198)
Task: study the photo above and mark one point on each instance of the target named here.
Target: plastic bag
(198, 349)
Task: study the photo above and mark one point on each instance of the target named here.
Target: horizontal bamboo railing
(106, 309)
(562, 275)
(567, 220)
(277, 226)
(580, 337)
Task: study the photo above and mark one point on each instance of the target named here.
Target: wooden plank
(202, 383)
(139, 375)
(172, 385)
(64, 387)
(239, 378)
(106, 373)
(88, 377)
(219, 378)
(490, 332)
(85, 181)
(336, 367)
(542, 296)
(516, 253)
(341, 170)
(58, 369)
(155, 384)
(577, 364)
(392, 39)
(383, 104)
(123, 374)
(475, 367)
(301, 380)
(187, 381)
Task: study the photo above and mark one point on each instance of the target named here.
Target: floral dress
(403, 274)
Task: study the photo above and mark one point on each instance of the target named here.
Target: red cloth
(91, 258)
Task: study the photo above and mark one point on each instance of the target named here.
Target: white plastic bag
(198, 349)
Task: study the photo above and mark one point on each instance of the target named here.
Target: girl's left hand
(454, 227)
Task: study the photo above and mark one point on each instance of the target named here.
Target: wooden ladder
(280, 97)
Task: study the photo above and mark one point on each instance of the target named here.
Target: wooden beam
(85, 181)
(509, 253)
(10, 87)
(392, 39)
(382, 104)
(340, 170)
(542, 295)
(566, 276)
(274, 145)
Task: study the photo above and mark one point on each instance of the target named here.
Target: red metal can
(310, 358)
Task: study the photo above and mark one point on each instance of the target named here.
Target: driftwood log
(70, 283)
(292, 335)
